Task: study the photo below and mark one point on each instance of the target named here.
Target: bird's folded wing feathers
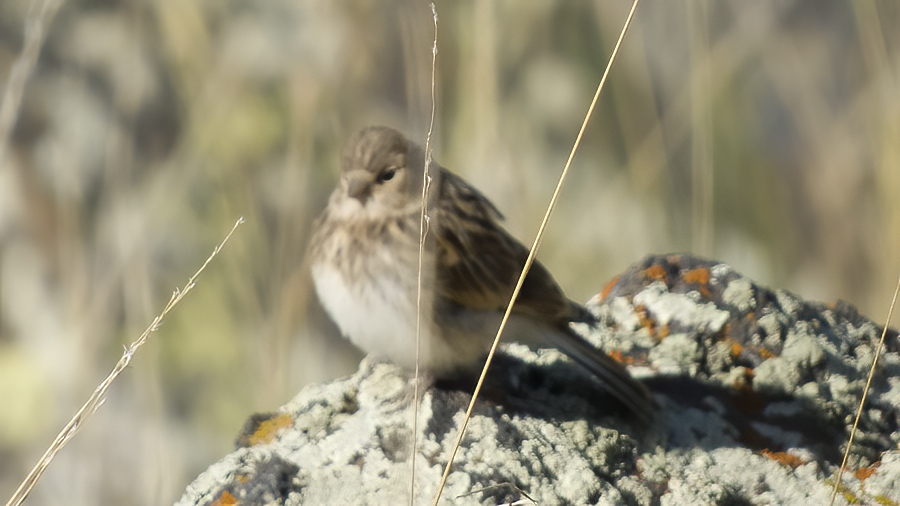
(478, 262)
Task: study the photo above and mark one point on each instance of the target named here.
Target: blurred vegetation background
(765, 134)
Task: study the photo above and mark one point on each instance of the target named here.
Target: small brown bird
(365, 257)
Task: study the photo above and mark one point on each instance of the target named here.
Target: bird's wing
(478, 262)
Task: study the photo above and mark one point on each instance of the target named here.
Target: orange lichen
(736, 347)
(764, 353)
(644, 319)
(864, 472)
(608, 288)
(663, 331)
(266, 431)
(699, 275)
(618, 357)
(226, 499)
(655, 272)
(784, 458)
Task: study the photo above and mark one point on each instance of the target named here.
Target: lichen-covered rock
(756, 392)
(784, 373)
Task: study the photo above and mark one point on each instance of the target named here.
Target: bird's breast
(377, 315)
(365, 274)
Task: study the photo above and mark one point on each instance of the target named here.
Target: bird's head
(382, 170)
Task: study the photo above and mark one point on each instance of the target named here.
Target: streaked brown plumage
(364, 258)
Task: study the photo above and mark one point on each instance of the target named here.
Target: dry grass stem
(97, 397)
(532, 253)
(423, 233)
(862, 400)
(526, 499)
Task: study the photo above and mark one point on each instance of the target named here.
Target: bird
(365, 255)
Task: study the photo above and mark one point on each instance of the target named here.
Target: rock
(757, 390)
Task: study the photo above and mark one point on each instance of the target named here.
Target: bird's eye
(387, 175)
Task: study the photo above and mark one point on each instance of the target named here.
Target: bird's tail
(632, 393)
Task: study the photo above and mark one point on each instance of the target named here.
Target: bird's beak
(358, 184)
